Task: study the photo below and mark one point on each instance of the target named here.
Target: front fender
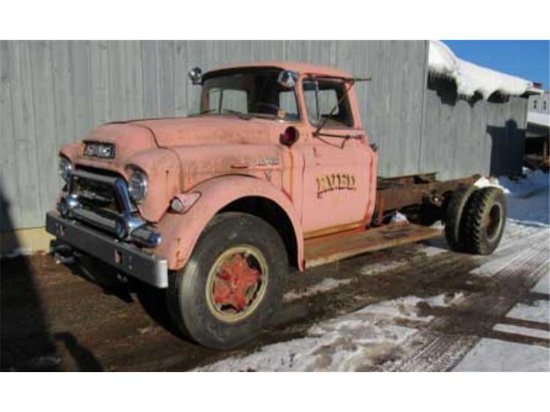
(180, 232)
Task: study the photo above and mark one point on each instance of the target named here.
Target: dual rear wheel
(475, 219)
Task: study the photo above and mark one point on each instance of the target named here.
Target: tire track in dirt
(122, 335)
(447, 339)
(424, 276)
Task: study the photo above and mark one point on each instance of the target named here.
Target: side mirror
(195, 75)
(287, 78)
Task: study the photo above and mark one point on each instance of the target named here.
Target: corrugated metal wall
(462, 137)
(54, 92)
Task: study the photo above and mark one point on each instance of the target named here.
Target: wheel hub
(237, 283)
(234, 282)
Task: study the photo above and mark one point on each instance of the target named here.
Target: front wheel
(232, 284)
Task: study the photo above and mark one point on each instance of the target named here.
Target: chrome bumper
(124, 256)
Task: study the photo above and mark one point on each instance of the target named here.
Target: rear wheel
(484, 220)
(232, 284)
(454, 217)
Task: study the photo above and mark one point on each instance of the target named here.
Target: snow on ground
(346, 343)
(528, 203)
(324, 286)
(471, 78)
(534, 187)
(496, 355)
(358, 341)
(492, 355)
(370, 338)
(376, 268)
(536, 311)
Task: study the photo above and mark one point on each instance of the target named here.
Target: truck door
(339, 166)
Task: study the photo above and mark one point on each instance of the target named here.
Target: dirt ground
(55, 319)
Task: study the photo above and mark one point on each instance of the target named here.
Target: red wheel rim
(236, 283)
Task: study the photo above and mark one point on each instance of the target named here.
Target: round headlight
(137, 186)
(65, 168)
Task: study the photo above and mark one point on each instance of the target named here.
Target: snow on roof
(471, 78)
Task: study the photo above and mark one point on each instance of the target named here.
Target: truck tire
(484, 220)
(454, 216)
(232, 284)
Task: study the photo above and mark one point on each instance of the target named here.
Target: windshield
(254, 93)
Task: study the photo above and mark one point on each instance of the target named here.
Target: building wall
(538, 121)
(540, 103)
(55, 92)
(475, 136)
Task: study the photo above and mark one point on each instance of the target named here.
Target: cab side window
(326, 103)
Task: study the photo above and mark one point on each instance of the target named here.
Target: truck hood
(138, 136)
(179, 153)
(209, 129)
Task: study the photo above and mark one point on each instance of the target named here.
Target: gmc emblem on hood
(101, 150)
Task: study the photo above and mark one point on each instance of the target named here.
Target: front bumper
(124, 256)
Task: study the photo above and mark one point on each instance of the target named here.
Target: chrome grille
(96, 194)
(103, 201)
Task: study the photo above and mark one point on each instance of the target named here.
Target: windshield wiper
(241, 115)
(202, 112)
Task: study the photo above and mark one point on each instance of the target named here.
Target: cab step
(327, 249)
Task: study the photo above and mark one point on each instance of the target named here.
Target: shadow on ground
(25, 341)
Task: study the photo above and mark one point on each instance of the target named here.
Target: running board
(327, 249)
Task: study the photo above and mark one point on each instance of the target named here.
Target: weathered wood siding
(55, 92)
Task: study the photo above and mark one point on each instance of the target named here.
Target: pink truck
(275, 172)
